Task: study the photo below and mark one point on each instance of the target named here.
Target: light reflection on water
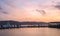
(30, 32)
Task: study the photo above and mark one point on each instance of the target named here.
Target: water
(30, 32)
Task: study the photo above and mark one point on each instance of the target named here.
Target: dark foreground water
(30, 32)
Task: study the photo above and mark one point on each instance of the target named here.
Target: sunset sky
(30, 10)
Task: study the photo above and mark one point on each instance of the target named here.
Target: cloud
(57, 5)
(41, 11)
(2, 11)
(25, 10)
(0, 8)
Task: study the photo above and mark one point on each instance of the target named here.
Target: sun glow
(32, 11)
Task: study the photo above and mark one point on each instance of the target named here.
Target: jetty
(15, 24)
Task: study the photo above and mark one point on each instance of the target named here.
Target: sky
(30, 10)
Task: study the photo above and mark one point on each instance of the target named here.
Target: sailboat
(8, 25)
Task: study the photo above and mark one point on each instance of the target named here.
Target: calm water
(30, 32)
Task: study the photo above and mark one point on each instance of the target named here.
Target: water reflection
(30, 32)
